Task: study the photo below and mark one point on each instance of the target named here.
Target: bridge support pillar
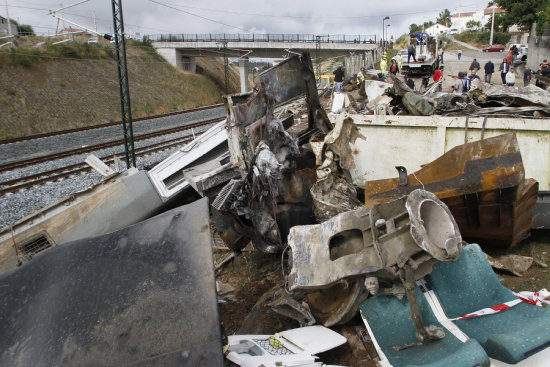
(176, 59)
(243, 67)
(188, 63)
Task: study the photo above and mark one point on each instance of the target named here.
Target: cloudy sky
(242, 16)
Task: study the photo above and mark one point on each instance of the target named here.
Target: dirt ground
(254, 277)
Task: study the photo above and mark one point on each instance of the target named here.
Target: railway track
(91, 148)
(15, 185)
(116, 123)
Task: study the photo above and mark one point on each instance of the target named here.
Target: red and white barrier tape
(533, 298)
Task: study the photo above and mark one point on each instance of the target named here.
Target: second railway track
(100, 126)
(11, 186)
(91, 148)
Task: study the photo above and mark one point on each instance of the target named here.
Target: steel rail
(100, 126)
(14, 185)
(50, 157)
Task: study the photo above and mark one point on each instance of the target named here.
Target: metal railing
(252, 37)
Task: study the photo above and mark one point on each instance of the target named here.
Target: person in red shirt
(438, 75)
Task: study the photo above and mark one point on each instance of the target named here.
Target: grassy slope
(57, 94)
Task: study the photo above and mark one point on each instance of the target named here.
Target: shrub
(484, 37)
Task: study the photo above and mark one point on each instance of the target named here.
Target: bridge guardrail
(252, 37)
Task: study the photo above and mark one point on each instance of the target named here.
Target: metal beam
(125, 109)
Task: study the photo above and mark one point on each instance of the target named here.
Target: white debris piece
(295, 347)
(374, 88)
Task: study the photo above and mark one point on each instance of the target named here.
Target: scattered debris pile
(278, 177)
(395, 97)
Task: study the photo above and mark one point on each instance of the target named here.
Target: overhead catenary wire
(198, 16)
(310, 16)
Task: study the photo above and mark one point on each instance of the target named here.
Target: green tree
(500, 24)
(473, 24)
(25, 29)
(445, 18)
(523, 12)
(413, 28)
(428, 24)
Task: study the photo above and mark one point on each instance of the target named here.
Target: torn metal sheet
(118, 299)
(274, 192)
(377, 240)
(379, 101)
(418, 105)
(483, 184)
(514, 264)
(103, 208)
(284, 304)
(527, 96)
(206, 177)
(296, 347)
(338, 304)
(167, 176)
(333, 193)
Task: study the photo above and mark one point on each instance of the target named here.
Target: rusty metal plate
(483, 184)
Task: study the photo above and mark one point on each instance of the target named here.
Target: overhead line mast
(125, 109)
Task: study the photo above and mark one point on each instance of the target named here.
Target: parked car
(93, 40)
(403, 54)
(494, 48)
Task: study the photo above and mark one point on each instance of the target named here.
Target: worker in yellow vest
(399, 60)
(361, 76)
(383, 65)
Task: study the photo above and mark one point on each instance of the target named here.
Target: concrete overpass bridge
(181, 50)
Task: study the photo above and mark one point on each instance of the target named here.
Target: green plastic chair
(468, 285)
(389, 320)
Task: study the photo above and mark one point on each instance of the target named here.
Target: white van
(453, 31)
(522, 51)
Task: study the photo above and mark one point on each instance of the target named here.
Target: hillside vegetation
(481, 39)
(76, 84)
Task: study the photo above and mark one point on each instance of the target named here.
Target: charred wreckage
(283, 182)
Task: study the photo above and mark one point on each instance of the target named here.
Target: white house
(436, 29)
(460, 19)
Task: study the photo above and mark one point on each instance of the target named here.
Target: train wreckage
(355, 239)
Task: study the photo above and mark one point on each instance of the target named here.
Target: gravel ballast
(20, 204)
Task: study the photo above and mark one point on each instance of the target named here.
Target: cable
(198, 16)
(309, 16)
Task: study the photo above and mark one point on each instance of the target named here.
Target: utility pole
(120, 48)
(383, 39)
(95, 22)
(492, 25)
(9, 24)
(318, 55)
(226, 66)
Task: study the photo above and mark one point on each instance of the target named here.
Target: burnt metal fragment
(483, 183)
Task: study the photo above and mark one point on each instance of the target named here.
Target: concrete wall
(412, 141)
(539, 47)
(354, 62)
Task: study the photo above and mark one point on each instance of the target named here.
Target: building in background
(460, 20)
(4, 27)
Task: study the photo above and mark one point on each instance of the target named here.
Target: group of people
(463, 82)
(507, 73)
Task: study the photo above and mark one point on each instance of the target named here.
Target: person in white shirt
(511, 77)
(458, 87)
